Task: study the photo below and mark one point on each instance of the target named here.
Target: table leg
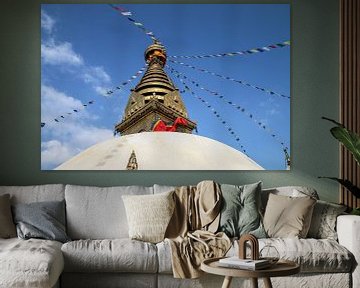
(267, 283)
(227, 282)
(254, 282)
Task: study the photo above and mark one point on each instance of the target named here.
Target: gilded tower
(154, 99)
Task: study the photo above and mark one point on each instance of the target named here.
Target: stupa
(156, 132)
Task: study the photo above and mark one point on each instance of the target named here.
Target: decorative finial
(132, 164)
(156, 52)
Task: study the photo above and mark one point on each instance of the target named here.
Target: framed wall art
(165, 87)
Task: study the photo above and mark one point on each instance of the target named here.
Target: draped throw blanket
(191, 231)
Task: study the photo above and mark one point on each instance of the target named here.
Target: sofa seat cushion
(30, 263)
(110, 255)
(313, 255)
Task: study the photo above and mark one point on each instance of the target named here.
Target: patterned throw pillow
(149, 215)
(240, 213)
(288, 217)
(7, 226)
(323, 223)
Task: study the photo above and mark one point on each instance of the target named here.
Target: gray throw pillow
(240, 213)
(44, 220)
(7, 226)
(323, 222)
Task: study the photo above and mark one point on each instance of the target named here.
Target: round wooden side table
(281, 268)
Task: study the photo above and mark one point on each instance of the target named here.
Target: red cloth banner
(160, 125)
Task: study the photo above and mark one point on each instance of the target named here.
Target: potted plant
(351, 141)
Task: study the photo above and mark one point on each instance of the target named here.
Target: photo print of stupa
(165, 87)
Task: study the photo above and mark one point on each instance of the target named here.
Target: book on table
(249, 264)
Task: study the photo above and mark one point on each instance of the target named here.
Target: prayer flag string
(242, 82)
(120, 86)
(235, 105)
(238, 53)
(138, 24)
(66, 115)
(108, 93)
(215, 113)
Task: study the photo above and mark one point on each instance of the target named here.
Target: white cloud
(71, 139)
(272, 112)
(53, 153)
(101, 90)
(98, 73)
(55, 103)
(84, 136)
(63, 54)
(60, 53)
(47, 22)
(70, 136)
(76, 132)
(97, 78)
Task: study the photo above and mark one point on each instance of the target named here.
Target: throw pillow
(7, 227)
(149, 215)
(288, 217)
(44, 220)
(323, 222)
(240, 213)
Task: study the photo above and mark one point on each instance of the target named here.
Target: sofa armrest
(348, 230)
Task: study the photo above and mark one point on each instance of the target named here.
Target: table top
(281, 268)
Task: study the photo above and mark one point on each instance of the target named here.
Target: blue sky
(87, 49)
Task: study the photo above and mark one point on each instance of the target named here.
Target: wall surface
(314, 91)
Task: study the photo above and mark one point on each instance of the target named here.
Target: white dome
(161, 151)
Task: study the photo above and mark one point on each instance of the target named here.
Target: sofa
(101, 254)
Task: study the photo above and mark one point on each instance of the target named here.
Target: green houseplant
(351, 141)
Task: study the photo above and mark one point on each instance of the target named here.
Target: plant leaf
(347, 184)
(349, 139)
(333, 121)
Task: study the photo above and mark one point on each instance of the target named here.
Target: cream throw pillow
(288, 217)
(149, 215)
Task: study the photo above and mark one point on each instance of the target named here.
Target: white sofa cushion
(98, 213)
(116, 255)
(313, 255)
(35, 193)
(30, 263)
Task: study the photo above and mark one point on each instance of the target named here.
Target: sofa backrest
(98, 212)
(35, 193)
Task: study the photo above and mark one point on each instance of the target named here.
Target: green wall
(314, 91)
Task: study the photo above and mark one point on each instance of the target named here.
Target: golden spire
(154, 98)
